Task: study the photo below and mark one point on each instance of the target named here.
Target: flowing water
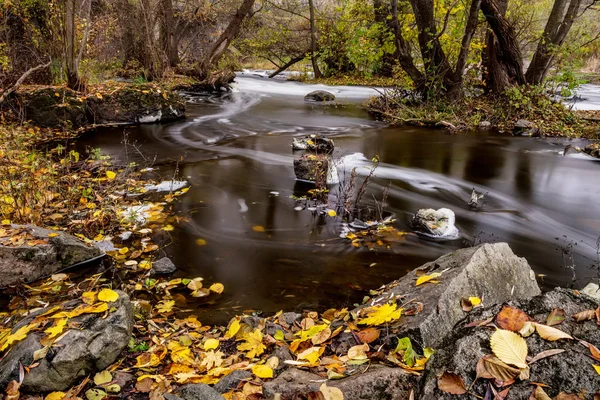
(235, 151)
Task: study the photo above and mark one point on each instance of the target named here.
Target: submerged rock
(78, 353)
(164, 266)
(319, 95)
(570, 372)
(41, 253)
(489, 271)
(314, 144)
(436, 223)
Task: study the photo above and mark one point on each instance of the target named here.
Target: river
(235, 151)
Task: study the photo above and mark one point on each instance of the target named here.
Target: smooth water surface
(235, 150)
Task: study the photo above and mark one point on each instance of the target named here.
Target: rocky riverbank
(432, 334)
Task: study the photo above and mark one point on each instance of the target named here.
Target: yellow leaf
(110, 175)
(19, 334)
(252, 344)
(145, 265)
(180, 354)
(311, 354)
(378, 315)
(509, 347)
(57, 329)
(550, 333)
(165, 306)
(6, 222)
(475, 301)
(168, 228)
(211, 344)
(201, 242)
(124, 250)
(331, 393)
(217, 288)
(102, 377)
(331, 213)
(234, 328)
(53, 235)
(55, 396)
(82, 309)
(262, 371)
(426, 278)
(258, 228)
(279, 335)
(195, 284)
(108, 295)
(88, 297)
(597, 368)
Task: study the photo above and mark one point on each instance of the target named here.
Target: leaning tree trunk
(229, 34)
(556, 30)
(403, 55)
(503, 54)
(313, 40)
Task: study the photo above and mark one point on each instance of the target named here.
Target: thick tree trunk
(167, 36)
(313, 40)
(69, 43)
(556, 30)
(229, 34)
(503, 56)
(403, 51)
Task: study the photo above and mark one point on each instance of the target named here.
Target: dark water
(236, 149)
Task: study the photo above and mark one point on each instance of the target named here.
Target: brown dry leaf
(555, 317)
(451, 383)
(479, 323)
(550, 333)
(368, 335)
(546, 353)
(566, 396)
(321, 337)
(499, 369)
(595, 352)
(511, 318)
(539, 394)
(482, 373)
(584, 315)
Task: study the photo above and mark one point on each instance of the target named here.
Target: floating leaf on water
(262, 371)
(428, 278)
(509, 347)
(200, 242)
(258, 228)
(195, 284)
(331, 213)
(217, 288)
(108, 295)
(451, 383)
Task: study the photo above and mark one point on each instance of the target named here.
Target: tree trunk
(167, 36)
(69, 43)
(403, 51)
(382, 14)
(313, 40)
(285, 66)
(556, 30)
(503, 54)
(220, 46)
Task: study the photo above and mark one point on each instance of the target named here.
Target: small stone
(485, 125)
(163, 266)
(592, 289)
(199, 391)
(319, 95)
(232, 380)
(523, 124)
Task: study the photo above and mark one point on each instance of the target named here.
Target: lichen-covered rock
(78, 353)
(135, 104)
(164, 266)
(50, 252)
(489, 271)
(53, 107)
(319, 96)
(312, 168)
(593, 149)
(436, 223)
(570, 372)
(314, 144)
(377, 383)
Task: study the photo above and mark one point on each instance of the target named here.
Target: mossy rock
(135, 104)
(53, 107)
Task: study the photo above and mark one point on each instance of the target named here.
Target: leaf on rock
(102, 377)
(428, 278)
(550, 333)
(584, 315)
(555, 317)
(597, 368)
(511, 318)
(57, 328)
(312, 354)
(546, 353)
(95, 394)
(509, 347)
(19, 335)
(321, 337)
(262, 371)
(252, 344)
(540, 394)
(88, 297)
(595, 352)
(358, 352)
(378, 315)
(451, 383)
(499, 369)
(368, 335)
(108, 295)
(331, 393)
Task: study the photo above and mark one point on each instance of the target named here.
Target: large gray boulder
(488, 271)
(570, 372)
(41, 254)
(79, 353)
(377, 383)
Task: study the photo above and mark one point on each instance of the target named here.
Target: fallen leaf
(511, 318)
(195, 284)
(358, 352)
(111, 175)
(550, 333)
(451, 383)
(211, 344)
(566, 396)
(311, 354)
(262, 371)
(539, 394)
(102, 377)
(378, 315)
(108, 295)
(201, 242)
(584, 315)
(57, 328)
(258, 228)
(252, 344)
(331, 213)
(95, 394)
(597, 368)
(331, 393)
(555, 317)
(368, 335)
(88, 297)
(509, 347)
(595, 352)
(546, 353)
(426, 278)
(55, 396)
(217, 288)
(499, 369)
(321, 337)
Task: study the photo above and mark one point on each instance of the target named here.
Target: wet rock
(53, 107)
(81, 352)
(232, 381)
(314, 144)
(312, 168)
(523, 124)
(437, 223)
(485, 125)
(26, 263)
(290, 317)
(569, 372)
(376, 383)
(490, 271)
(593, 149)
(164, 266)
(283, 354)
(592, 289)
(199, 391)
(319, 95)
(135, 104)
(475, 197)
